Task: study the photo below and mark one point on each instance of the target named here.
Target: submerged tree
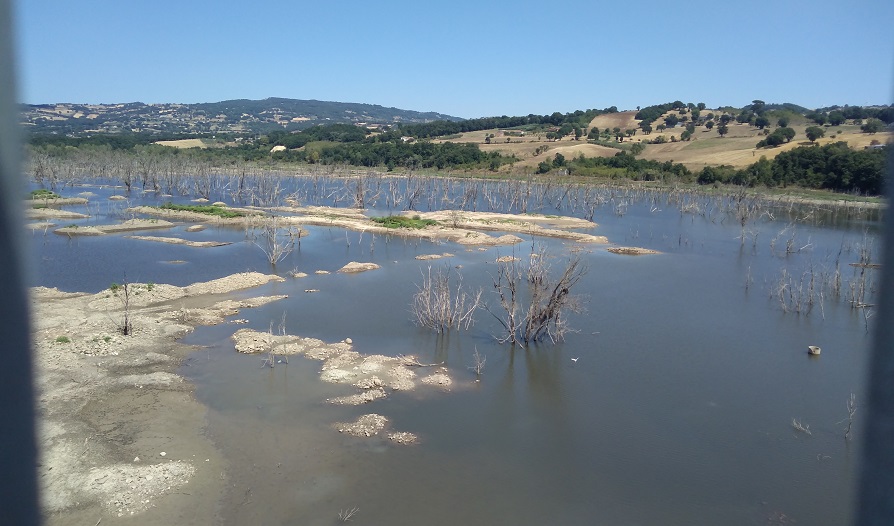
(277, 242)
(533, 303)
(440, 306)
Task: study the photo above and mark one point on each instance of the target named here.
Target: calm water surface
(678, 409)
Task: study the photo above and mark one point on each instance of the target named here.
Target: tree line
(579, 118)
(833, 166)
(391, 155)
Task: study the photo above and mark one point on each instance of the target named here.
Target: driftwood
(412, 361)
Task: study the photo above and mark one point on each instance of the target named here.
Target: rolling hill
(239, 116)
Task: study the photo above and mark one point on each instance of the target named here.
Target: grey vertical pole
(18, 462)
(875, 498)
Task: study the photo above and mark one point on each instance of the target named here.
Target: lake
(671, 402)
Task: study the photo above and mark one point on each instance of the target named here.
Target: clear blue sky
(460, 57)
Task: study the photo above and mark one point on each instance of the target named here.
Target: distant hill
(240, 116)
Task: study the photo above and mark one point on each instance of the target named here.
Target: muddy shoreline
(120, 433)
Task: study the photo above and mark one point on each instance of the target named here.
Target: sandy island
(459, 226)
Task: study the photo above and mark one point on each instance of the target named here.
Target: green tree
(559, 161)
(872, 126)
(723, 129)
(761, 122)
(782, 122)
(836, 118)
(814, 132)
(779, 136)
(774, 139)
(817, 117)
(709, 124)
(671, 120)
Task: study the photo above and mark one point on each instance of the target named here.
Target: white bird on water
(575, 359)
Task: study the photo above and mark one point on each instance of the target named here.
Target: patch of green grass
(43, 193)
(63, 339)
(150, 286)
(107, 339)
(212, 210)
(403, 222)
(114, 287)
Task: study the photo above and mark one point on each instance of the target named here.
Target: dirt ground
(120, 434)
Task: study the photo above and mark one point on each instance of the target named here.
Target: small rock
(163, 454)
(349, 341)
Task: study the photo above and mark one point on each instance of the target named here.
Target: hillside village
(237, 117)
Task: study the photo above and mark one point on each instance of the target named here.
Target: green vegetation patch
(212, 210)
(403, 222)
(43, 193)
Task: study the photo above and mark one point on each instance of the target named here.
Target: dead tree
(439, 306)
(533, 304)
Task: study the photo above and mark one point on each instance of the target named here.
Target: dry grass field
(184, 143)
(621, 119)
(705, 148)
(524, 147)
(737, 148)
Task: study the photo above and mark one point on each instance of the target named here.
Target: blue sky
(463, 58)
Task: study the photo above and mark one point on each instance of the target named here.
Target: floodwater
(672, 403)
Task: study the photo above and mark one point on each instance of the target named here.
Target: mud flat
(631, 251)
(373, 376)
(181, 241)
(52, 213)
(131, 225)
(121, 436)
